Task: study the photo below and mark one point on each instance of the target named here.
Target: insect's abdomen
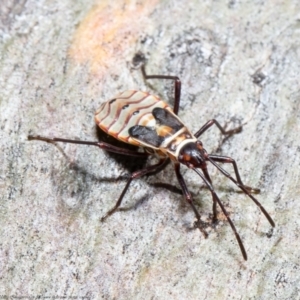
(126, 110)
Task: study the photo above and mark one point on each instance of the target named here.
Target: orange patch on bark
(108, 31)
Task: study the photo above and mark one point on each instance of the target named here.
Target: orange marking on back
(164, 130)
(146, 119)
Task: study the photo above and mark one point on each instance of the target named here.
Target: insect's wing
(164, 117)
(154, 134)
(148, 136)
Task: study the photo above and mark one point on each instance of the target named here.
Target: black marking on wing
(164, 117)
(146, 134)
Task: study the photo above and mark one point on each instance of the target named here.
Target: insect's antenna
(244, 190)
(216, 198)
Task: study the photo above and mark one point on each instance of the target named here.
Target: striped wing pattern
(126, 110)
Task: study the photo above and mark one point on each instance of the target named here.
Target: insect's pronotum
(141, 119)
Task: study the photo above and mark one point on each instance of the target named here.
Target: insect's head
(193, 155)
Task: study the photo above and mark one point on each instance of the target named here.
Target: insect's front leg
(229, 160)
(246, 189)
(208, 124)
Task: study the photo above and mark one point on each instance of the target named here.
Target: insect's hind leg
(177, 86)
(134, 175)
(188, 197)
(102, 145)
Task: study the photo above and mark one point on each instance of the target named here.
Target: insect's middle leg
(189, 199)
(177, 86)
(134, 175)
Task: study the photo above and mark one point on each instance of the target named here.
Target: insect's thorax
(172, 145)
(141, 119)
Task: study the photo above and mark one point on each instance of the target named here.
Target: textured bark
(239, 63)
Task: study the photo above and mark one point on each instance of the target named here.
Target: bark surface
(239, 63)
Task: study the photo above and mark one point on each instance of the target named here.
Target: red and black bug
(144, 120)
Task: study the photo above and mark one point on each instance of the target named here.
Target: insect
(144, 120)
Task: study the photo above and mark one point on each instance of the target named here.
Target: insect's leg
(215, 122)
(189, 199)
(102, 145)
(177, 86)
(214, 208)
(238, 182)
(216, 198)
(134, 175)
(229, 160)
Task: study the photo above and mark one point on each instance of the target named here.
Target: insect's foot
(201, 226)
(251, 190)
(234, 130)
(229, 132)
(33, 137)
(103, 218)
(39, 138)
(214, 220)
(109, 213)
(138, 60)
